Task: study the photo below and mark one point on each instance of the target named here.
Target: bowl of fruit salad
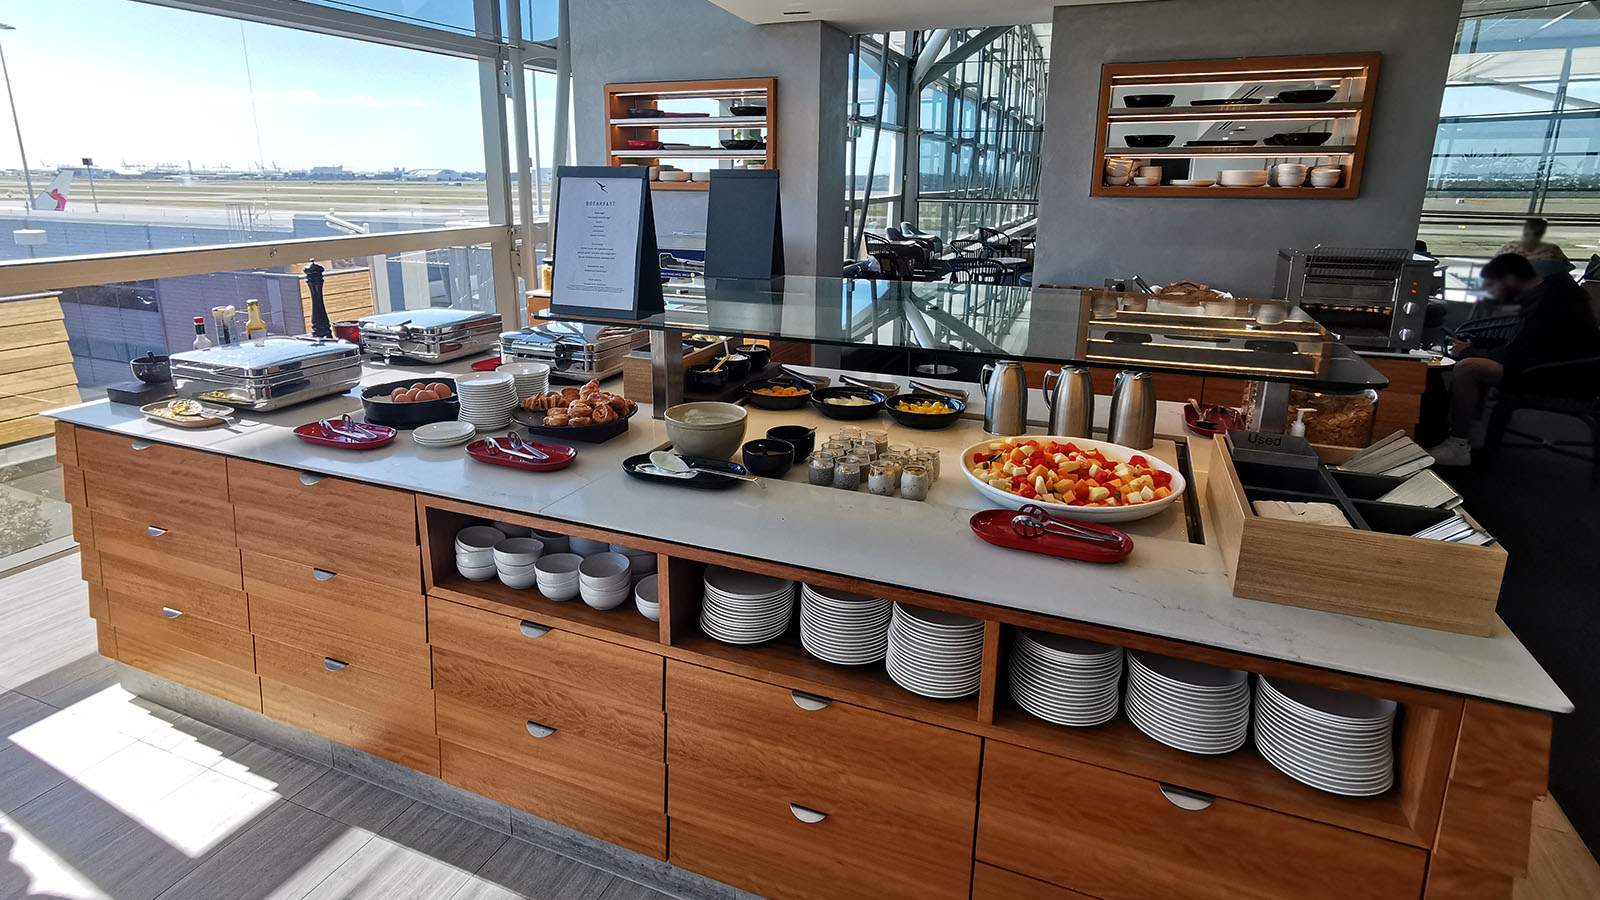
(1075, 478)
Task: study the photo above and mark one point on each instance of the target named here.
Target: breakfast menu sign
(605, 245)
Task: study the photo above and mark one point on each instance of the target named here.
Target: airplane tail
(54, 198)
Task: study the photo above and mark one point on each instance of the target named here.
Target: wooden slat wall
(348, 295)
(35, 367)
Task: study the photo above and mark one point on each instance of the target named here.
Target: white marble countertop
(1169, 587)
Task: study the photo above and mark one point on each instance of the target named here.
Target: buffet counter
(318, 586)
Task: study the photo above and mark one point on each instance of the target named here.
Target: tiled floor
(104, 795)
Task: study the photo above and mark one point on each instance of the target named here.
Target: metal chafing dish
(574, 352)
(280, 371)
(429, 335)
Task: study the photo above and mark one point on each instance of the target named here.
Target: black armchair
(1569, 388)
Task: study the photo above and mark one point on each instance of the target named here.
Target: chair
(892, 263)
(1569, 388)
(977, 271)
(933, 242)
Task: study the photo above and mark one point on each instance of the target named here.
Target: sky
(129, 83)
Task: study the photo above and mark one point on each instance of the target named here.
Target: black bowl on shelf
(803, 438)
(760, 355)
(1299, 138)
(1307, 95)
(742, 144)
(1147, 101)
(737, 366)
(533, 421)
(740, 110)
(925, 420)
(768, 401)
(767, 457)
(820, 398)
(380, 410)
(702, 379)
(1149, 140)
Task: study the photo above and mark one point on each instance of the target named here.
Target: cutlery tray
(1347, 570)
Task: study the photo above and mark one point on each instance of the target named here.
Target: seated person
(1557, 326)
(1532, 244)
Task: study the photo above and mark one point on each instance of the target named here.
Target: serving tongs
(886, 388)
(1032, 521)
(519, 444)
(350, 428)
(816, 381)
(494, 445)
(924, 387)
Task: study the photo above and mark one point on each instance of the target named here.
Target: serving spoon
(678, 467)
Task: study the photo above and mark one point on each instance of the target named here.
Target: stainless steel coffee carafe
(1133, 410)
(1005, 398)
(1069, 394)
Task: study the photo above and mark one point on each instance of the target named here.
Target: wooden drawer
(370, 626)
(155, 622)
(761, 844)
(156, 483)
(161, 658)
(1118, 837)
(991, 883)
(598, 718)
(379, 731)
(624, 674)
(636, 820)
(158, 579)
(341, 681)
(341, 526)
(187, 552)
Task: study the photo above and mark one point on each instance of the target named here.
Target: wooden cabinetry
(628, 118)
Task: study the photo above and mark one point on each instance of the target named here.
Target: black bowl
(748, 110)
(1149, 140)
(1308, 95)
(1145, 101)
(767, 457)
(1300, 138)
(925, 420)
(742, 144)
(737, 366)
(760, 355)
(819, 399)
(803, 438)
(767, 401)
(151, 368)
(380, 410)
(701, 378)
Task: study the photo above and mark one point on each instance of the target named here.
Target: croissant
(592, 387)
(580, 420)
(579, 408)
(570, 393)
(604, 413)
(559, 417)
(538, 401)
(619, 403)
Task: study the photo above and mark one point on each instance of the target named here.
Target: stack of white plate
(1332, 740)
(932, 653)
(529, 378)
(1188, 705)
(1242, 177)
(475, 551)
(443, 434)
(1065, 680)
(744, 608)
(487, 399)
(843, 628)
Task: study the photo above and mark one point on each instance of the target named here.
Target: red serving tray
(317, 433)
(488, 365)
(994, 526)
(561, 456)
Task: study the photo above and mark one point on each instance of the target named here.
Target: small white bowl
(477, 559)
(605, 570)
(601, 599)
(514, 530)
(553, 543)
(520, 582)
(518, 551)
(504, 569)
(476, 573)
(649, 611)
(559, 566)
(1147, 180)
(557, 592)
(648, 590)
(479, 537)
(586, 547)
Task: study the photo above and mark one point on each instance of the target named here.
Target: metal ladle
(678, 467)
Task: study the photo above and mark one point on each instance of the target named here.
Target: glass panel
(540, 20)
(206, 130)
(452, 15)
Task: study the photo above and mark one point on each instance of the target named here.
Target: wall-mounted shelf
(622, 127)
(1347, 113)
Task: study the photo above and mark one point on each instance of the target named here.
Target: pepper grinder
(320, 326)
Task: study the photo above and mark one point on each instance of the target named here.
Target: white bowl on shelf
(475, 573)
(520, 582)
(605, 571)
(511, 530)
(1242, 177)
(1146, 180)
(1193, 182)
(587, 548)
(518, 551)
(478, 537)
(1115, 452)
(647, 598)
(603, 598)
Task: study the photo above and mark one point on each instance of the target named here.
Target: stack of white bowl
(1289, 174)
(557, 575)
(1335, 741)
(1188, 705)
(475, 551)
(487, 399)
(529, 378)
(1118, 170)
(647, 598)
(1326, 176)
(514, 560)
(1065, 680)
(642, 562)
(603, 580)
(587, 548)
(1242, 178)
(932, 653)
(553, 543)
(745, 608)
(843, 628)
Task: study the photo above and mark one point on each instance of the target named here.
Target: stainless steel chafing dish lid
(276, 358)
(422, 321)
(577, 337)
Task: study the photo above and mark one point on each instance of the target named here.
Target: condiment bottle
(254, 328)
(201, 342)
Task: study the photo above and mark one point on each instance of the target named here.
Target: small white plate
(444, 434)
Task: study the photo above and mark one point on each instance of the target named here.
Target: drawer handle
(168, 612)
(322, 574)
(153, 531)
(533, 630)
(809, 702)
(540, 731)
(333, 665)
(806, 815)
(140, 444)
(310, 478)
(1183, 798)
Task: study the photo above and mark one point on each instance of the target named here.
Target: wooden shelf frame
(1357, 70)
(621, 128)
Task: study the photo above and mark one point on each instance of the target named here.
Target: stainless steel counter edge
(1173, 589)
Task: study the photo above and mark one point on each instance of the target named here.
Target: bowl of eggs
(407, 404)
